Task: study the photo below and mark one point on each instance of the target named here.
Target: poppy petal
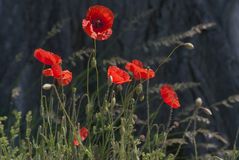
(169, 96)
(117, 75)
(136, 67)
(46, 57)
(65, 79)
(57, 71)
(98, 22)
(47, 72)
(83, 133)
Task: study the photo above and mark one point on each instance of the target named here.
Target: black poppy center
(97, 23)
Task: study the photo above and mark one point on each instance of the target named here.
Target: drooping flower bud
(198, 102)
(141, 98)
(47, 86)
(207, 111)
(188, 45)
(113, 102)
(110, 81)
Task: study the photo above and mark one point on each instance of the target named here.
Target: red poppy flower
(47, 72)
(98, 22)
(46, 57)
(169, 96)
(65, 78)
(83, 132)
(117, 75)
(139, 72)
(55, 71)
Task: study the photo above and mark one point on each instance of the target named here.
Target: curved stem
(170, 54)
(194, 135)
(184, 134)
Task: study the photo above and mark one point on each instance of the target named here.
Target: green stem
(170, 54)
(167, 129)
(87, 78)
(62, 106)
(97, 76)
(194, 135)
(148, 116)
(186, 130)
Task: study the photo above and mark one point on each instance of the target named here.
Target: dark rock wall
(213, 62)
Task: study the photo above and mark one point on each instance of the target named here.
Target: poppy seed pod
(47, 86)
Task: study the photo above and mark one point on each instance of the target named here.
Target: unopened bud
(188, 45)
(207, 111)
(89, 108)
(47, 86)
(119, 87)
(139, 89)
(93, 62)
(132, 101)
(141, 98)
(122, 130)
(198, 102)
(74, 90)
(110, 80)
(142, 138)
(113, 101)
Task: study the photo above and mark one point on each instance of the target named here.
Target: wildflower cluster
(106, 129)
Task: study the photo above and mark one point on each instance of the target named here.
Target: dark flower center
(97, 23)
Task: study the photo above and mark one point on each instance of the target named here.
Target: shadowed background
(138, 32)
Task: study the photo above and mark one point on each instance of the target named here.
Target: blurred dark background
(139, 32)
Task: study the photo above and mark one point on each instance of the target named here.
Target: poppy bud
(142, 138)
(110, 80)
(47, 86)
(89, 108)
(93, 62)
(198, 102)
(139, 89)
(119, 87)
(188, 45)
(74, 90)
(132, 101)
(98, 116)
(141, 98)
(94, 130)
(122, 130)
(207, 111)
(113, 101)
